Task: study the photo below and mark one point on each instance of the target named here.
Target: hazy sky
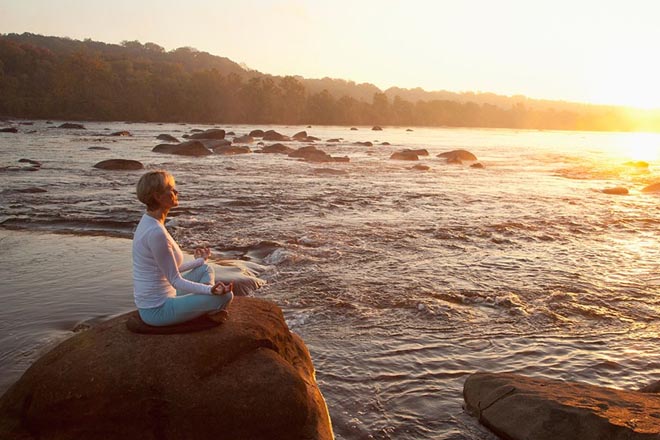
(601, 51)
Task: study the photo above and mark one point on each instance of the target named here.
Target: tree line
(74, 80)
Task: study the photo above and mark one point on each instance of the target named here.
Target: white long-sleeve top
(157, 266)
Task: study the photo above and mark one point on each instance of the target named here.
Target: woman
(163, 296)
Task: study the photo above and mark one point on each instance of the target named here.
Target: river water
(401, 282)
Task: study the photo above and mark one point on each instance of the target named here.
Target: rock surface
(167, 138)
(119, 164)
(518, 407)
(456, 156)
(404, 155)
(72, 126)
(189, 148)
(213, 133)
(617, 190)
(250, 378)
(654, 187)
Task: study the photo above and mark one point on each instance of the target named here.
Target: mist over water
(401, 282)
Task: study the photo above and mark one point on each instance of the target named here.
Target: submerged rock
(167, 138)
(121, 133)
(376, 128)
(654, 187)
(9, 130)
(119, 164)
(313, 154)
(213, 133)
(618, 191)
(517, 407)
(69, 125)
(189, 148)
(477, 165)
(247, 139)
(276, 149)
(256, 133)
(272, 135)
(457, 156)
(404, 155)
(250, 378)
(420, 167)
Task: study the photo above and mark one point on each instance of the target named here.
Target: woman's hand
(202, 252)
(221, 288)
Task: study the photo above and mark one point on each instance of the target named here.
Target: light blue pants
(184, 307)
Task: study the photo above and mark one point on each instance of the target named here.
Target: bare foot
(220, 316)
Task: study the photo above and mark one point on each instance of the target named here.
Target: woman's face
(169, 198)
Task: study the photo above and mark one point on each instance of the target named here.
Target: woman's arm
(163, 254)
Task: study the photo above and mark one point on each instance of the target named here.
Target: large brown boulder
(250, 378)
(456, 156)
(189, 148)
(119, 164)
(518, 407)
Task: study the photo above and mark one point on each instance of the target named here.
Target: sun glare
(642, 146)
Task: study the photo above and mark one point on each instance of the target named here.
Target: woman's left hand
(202, 252)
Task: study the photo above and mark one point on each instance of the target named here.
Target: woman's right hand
(202, 252)
(221, 288)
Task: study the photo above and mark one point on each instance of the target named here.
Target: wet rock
(419, 152)
(518, 407)
(300, 135)
(276, 149)
(654, 187)
(311, 154)
(121, 133)
(228, 150)
(409, 129)
(119, 164)
(31, 190)
(334, 140)
(166, 138)
(353, 128)
(376, 128)
(651, 388)
(250, 378)
(404, 155)
(30, 161)
(272, 135)
(247, 139)
(9, 130)
(618, 191)
(196, 130)
(257, 133)
(71, 126)
(213, 133)
(477, 165)
(364, 144)
(387, 143)
(458, 155)
(420, 167)
(454, 161)
(189, 148)
(99, 148)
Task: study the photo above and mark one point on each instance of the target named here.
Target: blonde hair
(152, 183)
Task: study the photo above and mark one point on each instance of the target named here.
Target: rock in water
(518, 407)
(250, 378)
(119, 164)
(455, 156)
(188, 148)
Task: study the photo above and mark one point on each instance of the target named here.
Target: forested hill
(61, 78)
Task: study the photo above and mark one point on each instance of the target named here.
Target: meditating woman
(164, 296)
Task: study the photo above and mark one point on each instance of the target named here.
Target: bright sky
(600, 51)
